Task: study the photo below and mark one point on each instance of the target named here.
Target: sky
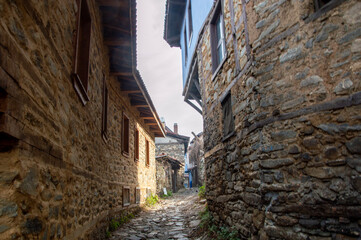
(160, 68)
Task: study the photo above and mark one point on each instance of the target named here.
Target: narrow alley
(108, 107)
(172, 218)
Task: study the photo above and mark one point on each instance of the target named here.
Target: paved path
(174, 218)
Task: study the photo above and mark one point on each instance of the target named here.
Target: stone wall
(61, 179)
(196, 161)
(163, 176)
(292, 168)
(174, 150)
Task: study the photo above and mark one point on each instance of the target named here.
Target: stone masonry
(58, 178)
(169, 174)
(174, 145)
(291, 169)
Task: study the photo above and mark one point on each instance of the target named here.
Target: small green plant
(123, 219)
(169, 194)
(151, 200)
(114, 225)
(227, 234)
(202, 192)
(108, 234)
(214, 231)
(206, 218)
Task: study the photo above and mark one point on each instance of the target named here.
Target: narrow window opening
(149, 192)
(228, 120)
(125, 135)
(320, 3)
(218, 46)
(147, 153)
(105, 111)
(137, 195)
(185, 47)
(136, 145)
(126, 196)
(190, 20)
(82, 52)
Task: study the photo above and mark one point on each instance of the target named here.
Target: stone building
(278, 85)
(168, 174)
(77, 125)
(196, 166)
(175, 146)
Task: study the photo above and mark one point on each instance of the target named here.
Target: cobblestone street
(173, 218)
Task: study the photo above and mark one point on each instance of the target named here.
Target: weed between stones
(216, 232)
(115, 224)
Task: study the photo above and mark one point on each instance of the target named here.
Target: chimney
(175, 128)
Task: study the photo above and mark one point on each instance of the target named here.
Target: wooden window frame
(147, 153)
(82, 48)
(215, 42)
(226, 104)
(322, 9)
(319, 5)
(125, 204)
(136, 144)
(105, 111)
(148, 192)
(185, 46)
(190, 21)
(125, 134)
(137, 195)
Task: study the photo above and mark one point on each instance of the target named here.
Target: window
(322, 7)
(81, 63)
(190, 21)
(320, 3)
(125, 135)
(228, 122)
(147, 153)
(217, 38)
(185, 47)
(149, 192)
(105, 111)
(137, 195)
(126, 196)
(136, 145)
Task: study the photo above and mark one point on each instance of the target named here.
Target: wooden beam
(152, 123)
(138, 97)
(194, 106)
(195, 81)
(116, 28)
(112, 3)
(147, 117)
(196, 98)
(141, 105)
(122, 74)
(116, 43)
(130, 91)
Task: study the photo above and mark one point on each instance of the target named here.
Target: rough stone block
(311, 81)
(8, 208)
(283, 135)
(276, 163)
(30, 183)
(354, 145)
(292, 54)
